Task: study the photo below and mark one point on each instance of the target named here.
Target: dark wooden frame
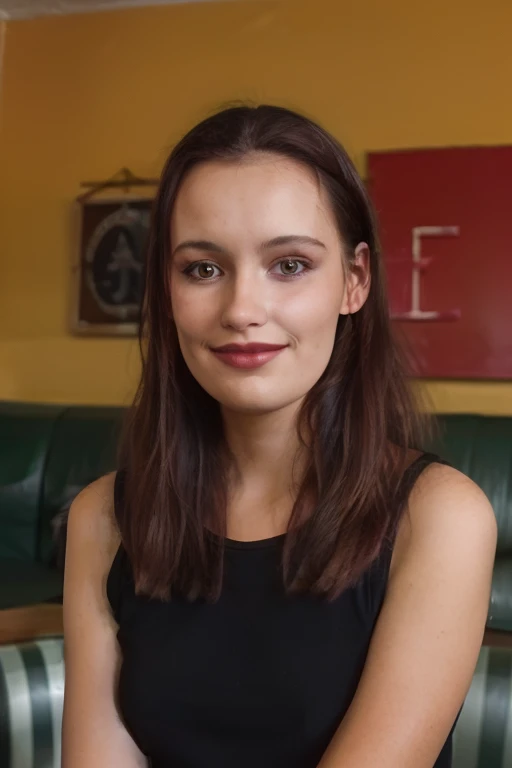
(87, 314)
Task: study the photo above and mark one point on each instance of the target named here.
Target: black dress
(257, 680)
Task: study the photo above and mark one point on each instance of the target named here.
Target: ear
(357, 281)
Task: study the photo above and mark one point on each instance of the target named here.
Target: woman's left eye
(290, 263)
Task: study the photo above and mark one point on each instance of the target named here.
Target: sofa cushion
(32, 678)
(483, 735)
(23, 582)
(31, 703)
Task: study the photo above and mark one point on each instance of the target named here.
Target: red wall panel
(450, 289)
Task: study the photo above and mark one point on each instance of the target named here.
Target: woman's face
(265, 264)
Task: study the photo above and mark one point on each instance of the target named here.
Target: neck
(269, 459)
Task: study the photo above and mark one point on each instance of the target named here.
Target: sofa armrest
(33, 621)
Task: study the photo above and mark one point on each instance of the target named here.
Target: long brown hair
(361, 416)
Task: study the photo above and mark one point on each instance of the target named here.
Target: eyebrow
(207, 245)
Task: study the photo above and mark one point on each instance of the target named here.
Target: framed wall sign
(444, 217)
(108, 272)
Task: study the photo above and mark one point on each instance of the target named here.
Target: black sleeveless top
(259, 679)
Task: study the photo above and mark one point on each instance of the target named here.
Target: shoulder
(446, 509)
(444, 499)
(429, 631)
(91, 520)
(92, 724)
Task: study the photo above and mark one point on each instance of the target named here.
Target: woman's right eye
(205, 266)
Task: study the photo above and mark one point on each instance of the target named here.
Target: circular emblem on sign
(114, 261)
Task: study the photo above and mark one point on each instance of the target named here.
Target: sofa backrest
(47, 455)
(83, 447)
(481, 447)
(26, 432)
(49, 452)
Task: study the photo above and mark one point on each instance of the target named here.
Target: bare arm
(92, 731)
(428, 636)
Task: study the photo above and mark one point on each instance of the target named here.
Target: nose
(244, 302)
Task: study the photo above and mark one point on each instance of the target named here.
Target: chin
(250, 409)
(255, 402)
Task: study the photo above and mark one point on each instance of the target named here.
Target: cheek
(313, 318)
(192, 316)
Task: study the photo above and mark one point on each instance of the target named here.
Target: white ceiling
(25, 9)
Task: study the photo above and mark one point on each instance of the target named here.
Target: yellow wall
(85, 95)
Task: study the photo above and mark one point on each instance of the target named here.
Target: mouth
(253, 347)
(242, 358)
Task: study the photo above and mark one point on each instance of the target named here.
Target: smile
(247, 359)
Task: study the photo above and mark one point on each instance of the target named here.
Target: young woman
(278, 576)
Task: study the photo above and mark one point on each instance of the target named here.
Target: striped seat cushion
(32, 694)
(483, 735)
(31, 699)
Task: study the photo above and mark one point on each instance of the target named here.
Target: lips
(248, 355)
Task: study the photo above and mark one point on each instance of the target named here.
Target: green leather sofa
(48, 453)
